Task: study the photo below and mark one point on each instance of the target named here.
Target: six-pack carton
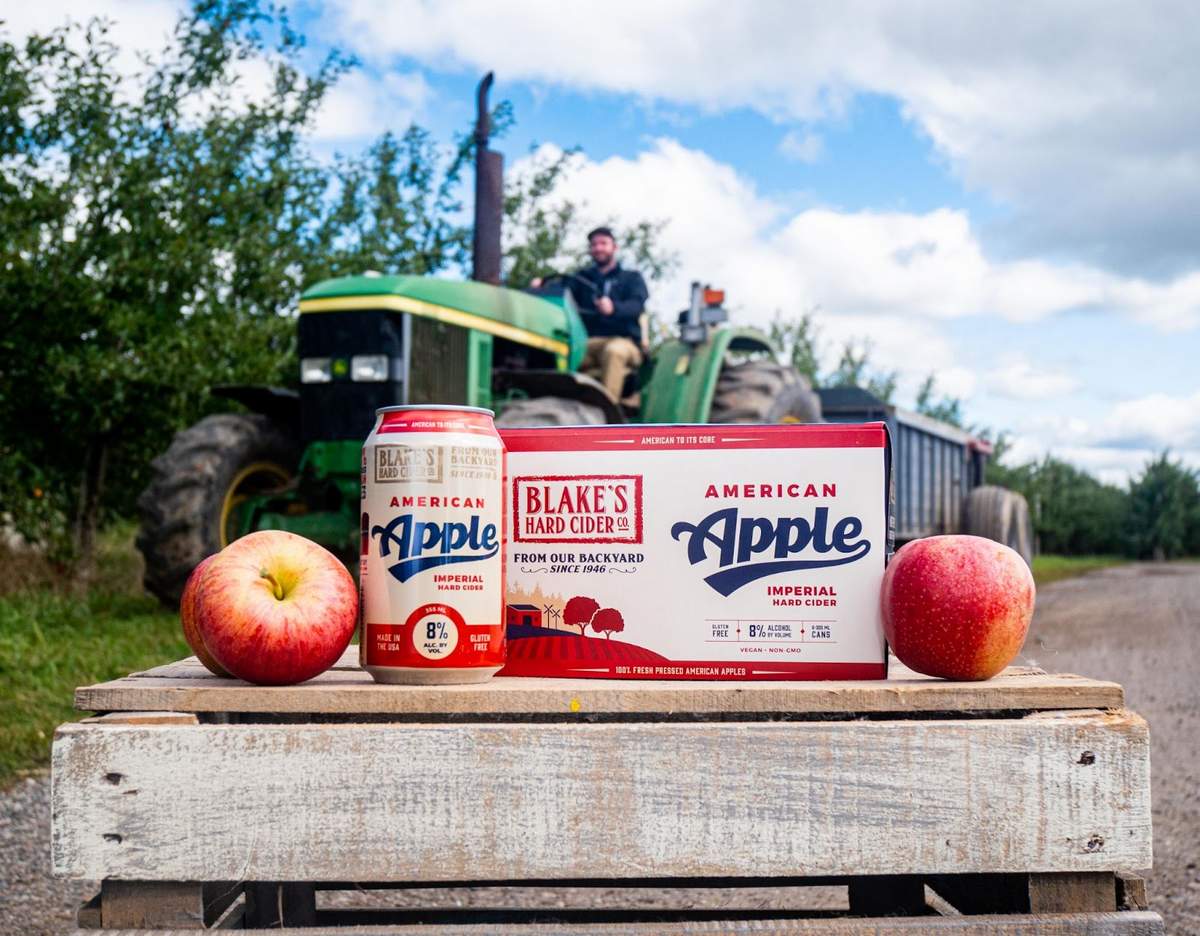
(697, 552)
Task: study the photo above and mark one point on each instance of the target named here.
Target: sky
(1007, 200)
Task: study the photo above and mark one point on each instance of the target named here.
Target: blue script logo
(420, 545)
(738, 542)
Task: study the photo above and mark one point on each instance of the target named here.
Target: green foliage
(1156, 517)
(1164, 506)
(796, 340)
(157, 228)
(397, 209)
(854, 369)
(152, 233)
(947, 409)
(53, 638)
(1073, 513)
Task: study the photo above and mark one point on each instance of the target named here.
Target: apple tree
(579, 611)
(608, 621)
(157, 225)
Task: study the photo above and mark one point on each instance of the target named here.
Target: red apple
(275, 608)
(957, 607)
(187, 617)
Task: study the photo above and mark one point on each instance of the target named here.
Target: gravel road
(1136, 624)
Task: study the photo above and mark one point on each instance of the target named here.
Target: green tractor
(292, 461)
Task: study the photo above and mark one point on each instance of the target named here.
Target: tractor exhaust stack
(489, 194)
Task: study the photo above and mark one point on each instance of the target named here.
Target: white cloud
(134, 25)
(362, 105)
(140, 23)
(1155, 421)
(1019, 380)
(903, 267)
(805, 147)
(1084, 121)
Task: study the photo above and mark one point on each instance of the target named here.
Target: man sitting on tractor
(611, 301)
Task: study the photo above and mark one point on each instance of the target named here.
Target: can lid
(441, 407)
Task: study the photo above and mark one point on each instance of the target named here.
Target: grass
(52, 640)
(1047, 569)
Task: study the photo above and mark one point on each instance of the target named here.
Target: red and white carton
(697, 552)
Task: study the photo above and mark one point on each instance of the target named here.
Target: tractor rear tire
(550, 411)
(762, 391)
(1023, 541)
(184, 510)
(1001, 515)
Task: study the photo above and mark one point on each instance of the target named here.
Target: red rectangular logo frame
(637, 508)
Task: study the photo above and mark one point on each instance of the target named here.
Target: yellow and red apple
(275, 608)
(187, 617)
(957, 607)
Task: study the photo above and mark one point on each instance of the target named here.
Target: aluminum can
(432, 546)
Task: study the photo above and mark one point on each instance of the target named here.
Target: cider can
(431, 549)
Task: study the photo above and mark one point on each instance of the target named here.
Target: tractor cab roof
(496, 310)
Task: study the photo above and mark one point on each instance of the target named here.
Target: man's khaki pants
(610, 359)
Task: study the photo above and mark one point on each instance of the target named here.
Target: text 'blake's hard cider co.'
(432, 546)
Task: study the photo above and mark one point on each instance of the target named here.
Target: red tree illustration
(579, 611)
(608, 621)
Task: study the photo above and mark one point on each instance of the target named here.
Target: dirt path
(1137, 624)
(1140, 626)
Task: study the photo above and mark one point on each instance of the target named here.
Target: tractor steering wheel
(566, 278)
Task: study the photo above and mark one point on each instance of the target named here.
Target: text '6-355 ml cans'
(432, 550)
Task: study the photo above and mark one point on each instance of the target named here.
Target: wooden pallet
(1008, 807)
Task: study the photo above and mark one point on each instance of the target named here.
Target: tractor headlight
(369, 368)
(316, 370)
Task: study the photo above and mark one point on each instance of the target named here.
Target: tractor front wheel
(762, 391)
(191, 507)
(550, 411)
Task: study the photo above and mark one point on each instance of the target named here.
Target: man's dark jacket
(628, 293)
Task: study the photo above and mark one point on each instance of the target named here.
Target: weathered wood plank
(1091, 924)
(151, 904)
(515, 800)
(143, 718)
(346, 690)
(87, 916)
(1072, 892)
(1131, 891)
